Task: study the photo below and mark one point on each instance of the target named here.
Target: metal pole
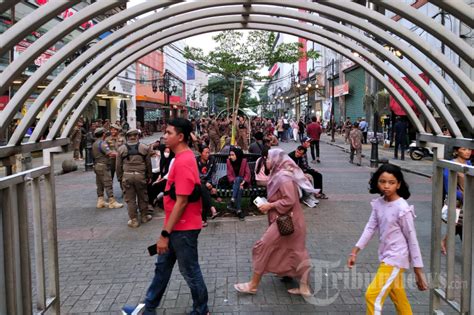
(333, 131)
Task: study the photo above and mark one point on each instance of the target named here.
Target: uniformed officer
(102, 155)
(114, 141)
(134, 172)
(214, 134)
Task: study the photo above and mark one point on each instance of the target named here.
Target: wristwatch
(165, 234)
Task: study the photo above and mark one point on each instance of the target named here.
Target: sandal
(296, 291)
(215, 215)
(321, 196)
(244, 288)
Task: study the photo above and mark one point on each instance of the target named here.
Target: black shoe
(241, 215)
(230, 206)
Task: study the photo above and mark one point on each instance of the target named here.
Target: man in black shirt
(299, 156)
(257, 146)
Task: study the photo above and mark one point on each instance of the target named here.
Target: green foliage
(237, 57)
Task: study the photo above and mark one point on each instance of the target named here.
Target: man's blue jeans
(183, 246)
(237, 192)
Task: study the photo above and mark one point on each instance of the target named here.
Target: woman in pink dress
(282, 255)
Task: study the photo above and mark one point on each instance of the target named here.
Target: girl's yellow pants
(387, 281)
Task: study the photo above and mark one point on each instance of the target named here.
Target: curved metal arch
(464, 51)
(69, 106)
(4, 6)
(30, 85)
(379, 20)
(106, 74)
(18, 65)
(442, 84)
(327, 9)
(24, 26)
(459, 9)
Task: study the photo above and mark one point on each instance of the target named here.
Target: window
(143, 73)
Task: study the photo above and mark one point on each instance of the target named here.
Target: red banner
(396, 107)
(302, 63)
(3, 101)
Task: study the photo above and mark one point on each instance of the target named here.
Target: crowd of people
(176, 173)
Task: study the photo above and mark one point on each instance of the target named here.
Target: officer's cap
(99, 132)
(132, 132)
(115, 126)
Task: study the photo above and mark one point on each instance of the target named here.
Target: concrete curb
(368, 159)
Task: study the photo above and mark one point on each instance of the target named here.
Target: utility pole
(333, 130)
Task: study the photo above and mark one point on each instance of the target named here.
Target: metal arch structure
(462, 110)
(15, 284)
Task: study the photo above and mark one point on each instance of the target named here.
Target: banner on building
(190, 71)
(342, 89)
(396, 107)
(3, 101)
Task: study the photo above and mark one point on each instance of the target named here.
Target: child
(393, 218)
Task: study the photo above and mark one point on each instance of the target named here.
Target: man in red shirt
(314, 132)
(179, 237)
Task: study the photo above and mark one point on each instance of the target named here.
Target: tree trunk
(234, 114)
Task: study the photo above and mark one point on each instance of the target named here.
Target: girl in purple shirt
(393, 218)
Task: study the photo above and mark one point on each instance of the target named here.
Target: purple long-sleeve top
(394, 221)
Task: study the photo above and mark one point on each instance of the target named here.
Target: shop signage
(342, 89)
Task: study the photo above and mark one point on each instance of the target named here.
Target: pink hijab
(283, 169)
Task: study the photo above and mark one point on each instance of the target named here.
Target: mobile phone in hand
(152, 250)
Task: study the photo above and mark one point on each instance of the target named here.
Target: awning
(249, 112)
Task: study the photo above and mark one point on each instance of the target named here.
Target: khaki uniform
(133, 168)
(214, 136)
(114, 143)
(242, 136)
(76, 138)
(100, 150)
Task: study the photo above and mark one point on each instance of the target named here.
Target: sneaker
(147, 218)
(241, 215)
(133, 223)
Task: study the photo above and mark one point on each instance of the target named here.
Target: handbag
(285, 224)
(444, 214)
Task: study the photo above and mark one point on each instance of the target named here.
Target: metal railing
(446, 292)
(15, 262)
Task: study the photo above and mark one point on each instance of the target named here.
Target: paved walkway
(104, 264)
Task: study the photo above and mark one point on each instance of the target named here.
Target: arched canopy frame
(106, 73)
(327, 8)
(361, 9)
(192, 17)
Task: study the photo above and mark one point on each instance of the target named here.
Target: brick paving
(104, 264)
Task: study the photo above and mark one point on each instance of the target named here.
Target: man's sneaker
(146, 218)
(133, 223)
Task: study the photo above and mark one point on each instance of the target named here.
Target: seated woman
(261, 170)
(166, 161)
(238, 174)
(461, 156)
(206, 167)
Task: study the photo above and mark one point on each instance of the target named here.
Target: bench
(252, 190)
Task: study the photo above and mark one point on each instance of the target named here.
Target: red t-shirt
(184, 174)
(314, 131)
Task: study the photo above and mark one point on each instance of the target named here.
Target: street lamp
(165, 87)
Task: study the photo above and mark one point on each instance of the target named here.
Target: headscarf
(165, 162)
(238, 162)
(284, 169)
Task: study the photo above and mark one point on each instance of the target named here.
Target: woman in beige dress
(273, 253)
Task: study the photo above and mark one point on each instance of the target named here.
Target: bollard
(88, 161)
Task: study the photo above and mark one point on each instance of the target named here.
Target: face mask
(166, 154)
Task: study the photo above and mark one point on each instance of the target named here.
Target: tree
(237, 57)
